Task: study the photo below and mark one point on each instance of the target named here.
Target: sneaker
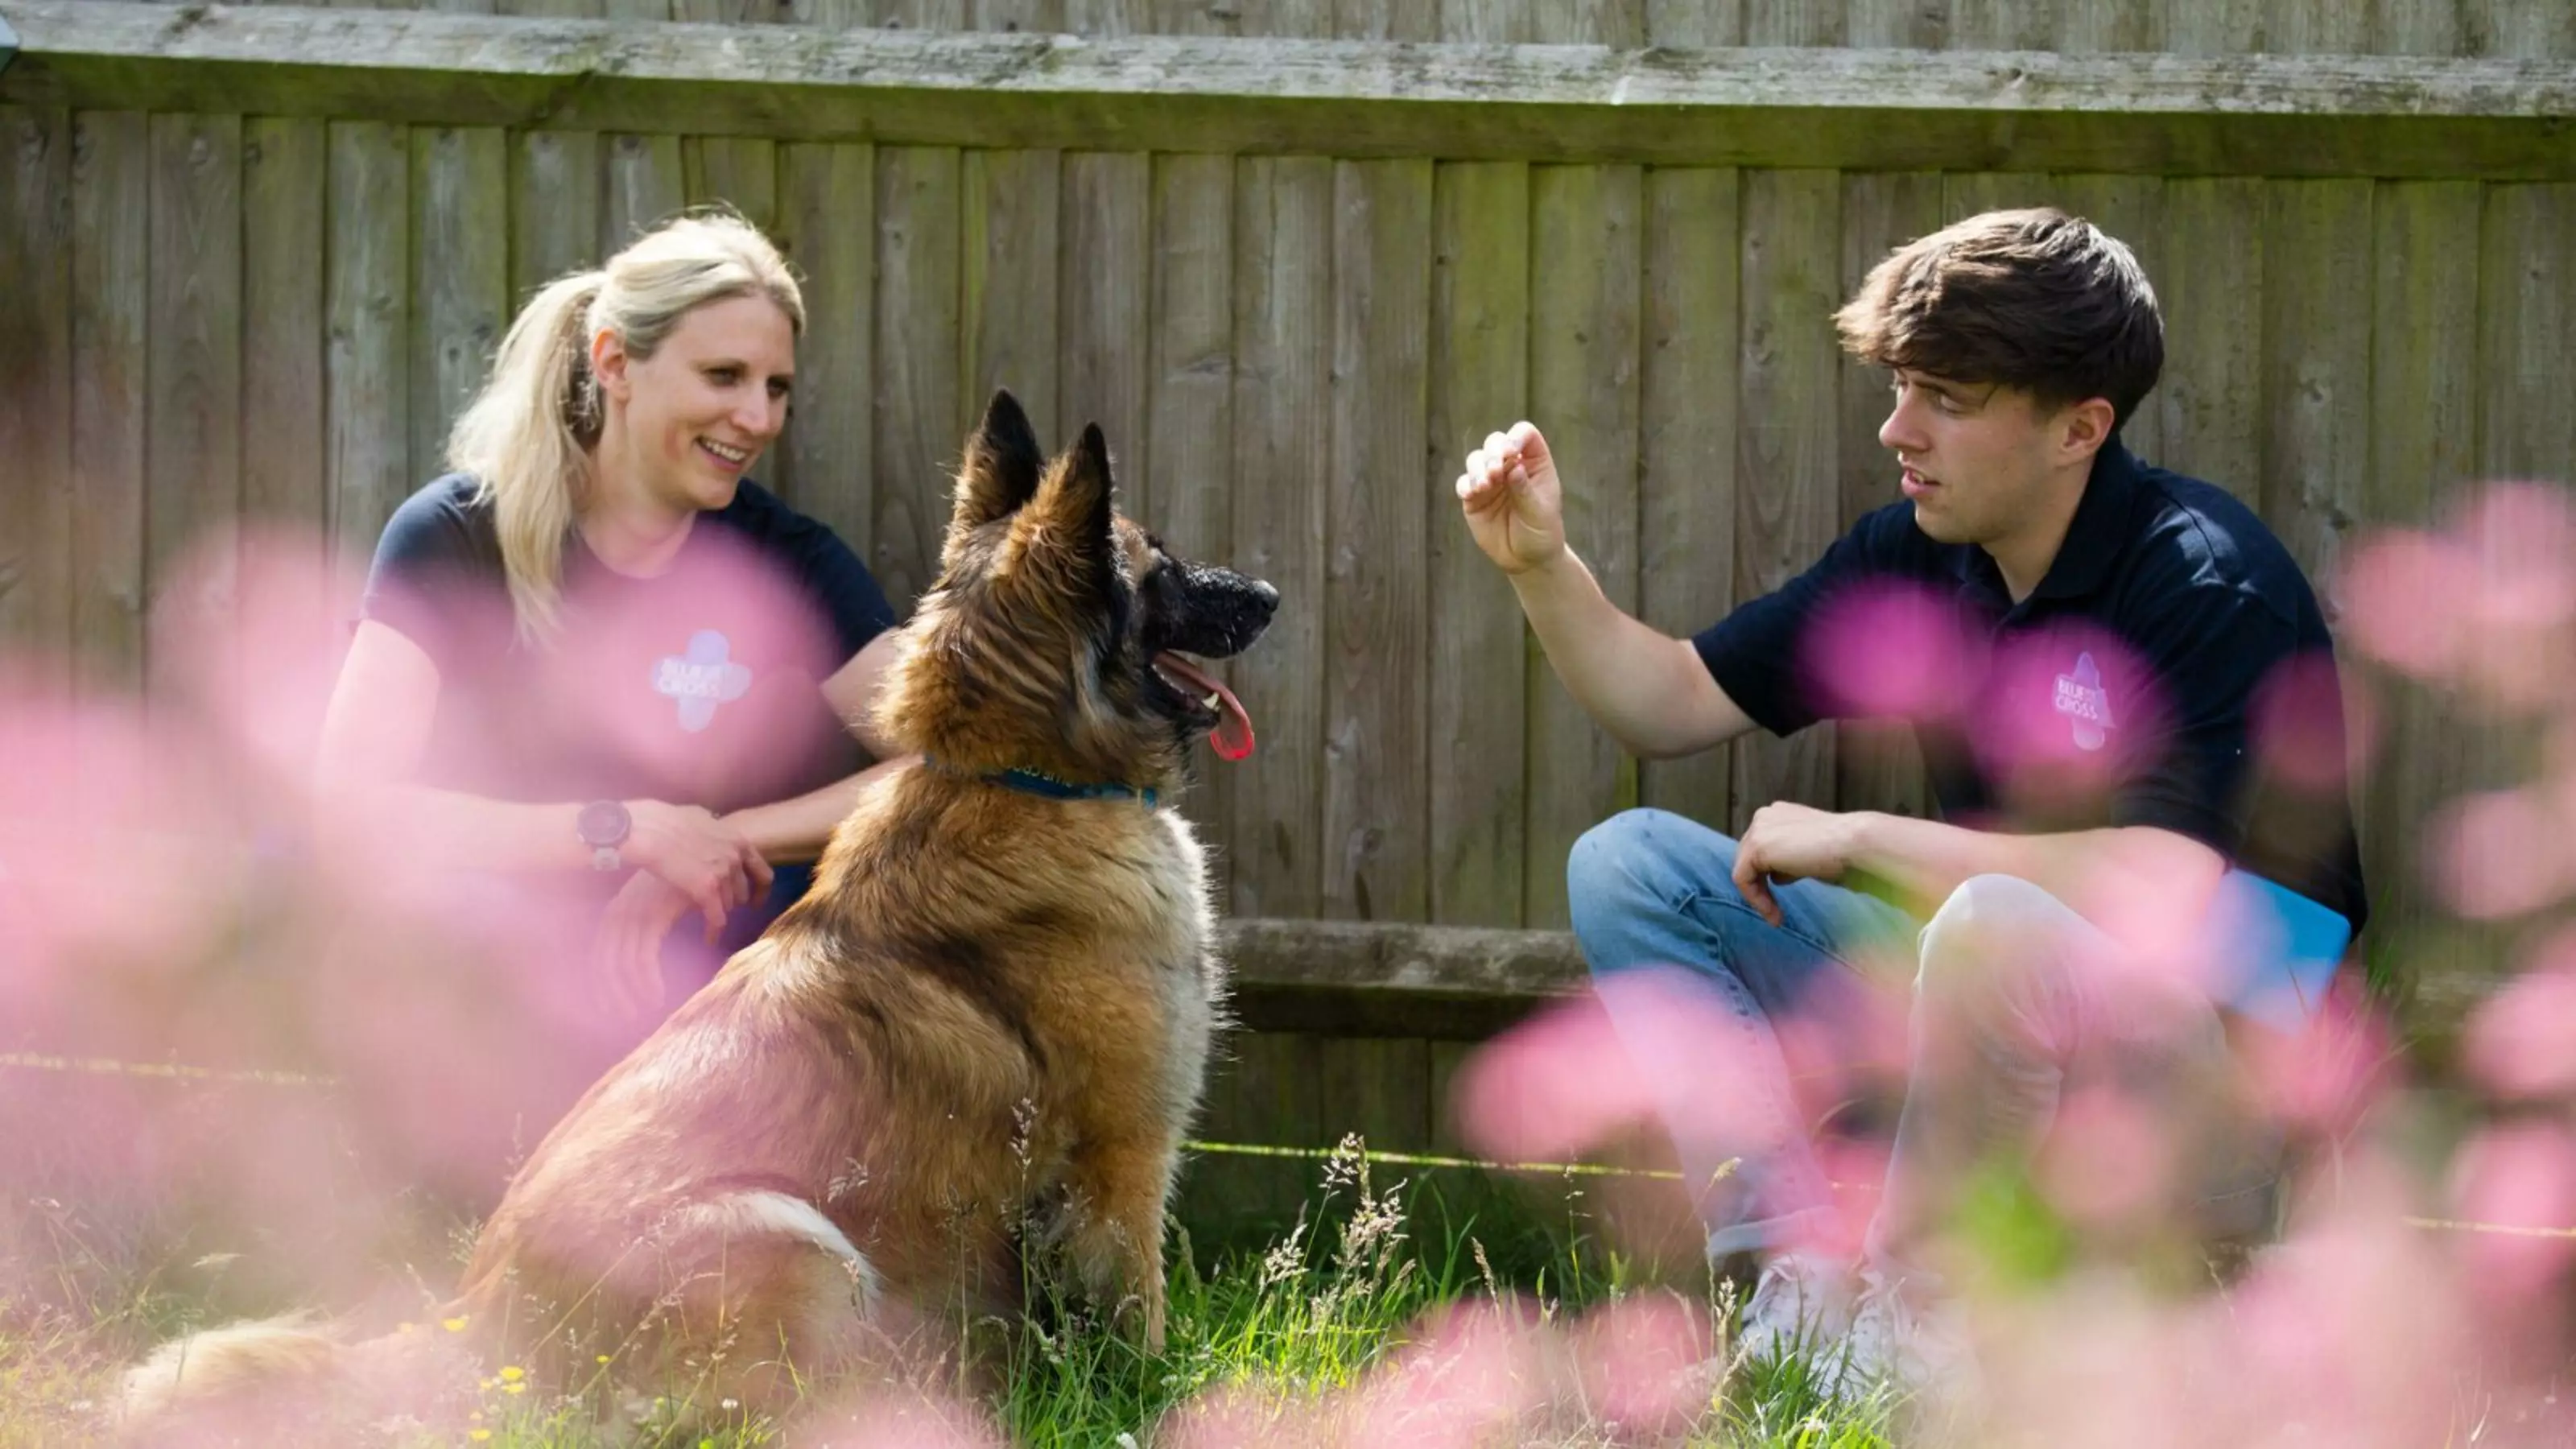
(1801, 1304)
(1917, 1346)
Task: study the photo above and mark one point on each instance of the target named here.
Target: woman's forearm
(443, 828)
(796, 830)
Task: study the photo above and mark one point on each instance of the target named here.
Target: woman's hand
(711, 863)
(626, 954)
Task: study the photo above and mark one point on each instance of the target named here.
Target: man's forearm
(1622, 671)
(796, 830)
(1925, 860)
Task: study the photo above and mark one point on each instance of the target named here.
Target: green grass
(1285, 1335)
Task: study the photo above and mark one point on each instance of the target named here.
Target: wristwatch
(603, 826)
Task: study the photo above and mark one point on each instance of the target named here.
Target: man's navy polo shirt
(2171, 670)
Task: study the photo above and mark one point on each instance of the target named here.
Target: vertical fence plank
(2525, 29)
(921, 421)
(1793, 22)
(1876, 763)
(2316, 367)
(2423, 437)
(2114, 25)
(36, 428)
(2002, 25)
(1106, 272)
(460, 277)
(1189, 421)
(740, 172)
(1011, 254)
(1897, 24)
(2527, 311)
(1386, 19)
(1267, 1088)
(1686, 450)
(1787, 505)
(1033, 17)
(1378, 651)
(646, 183)
(2212, 292)
(285, 164)
(368, 357)
(2319, 27)
(1283, 295)
(1587, 228)
(1491, 22)
(1619, 23)
(555, 186)
(2414, 27)
(192, 487)
(1479, 384)
(1966, 193)
(919, 14)
(827, 224)
(2423, 419)
(1694, 24)
(111, 280)
(728, 12)
(2215, 27)
(1379, 1089)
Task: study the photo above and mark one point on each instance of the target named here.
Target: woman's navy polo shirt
(701, 685)
(2172, 670)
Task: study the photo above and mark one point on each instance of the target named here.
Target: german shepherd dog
(979, 1036)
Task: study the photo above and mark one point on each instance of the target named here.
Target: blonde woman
(596, 663)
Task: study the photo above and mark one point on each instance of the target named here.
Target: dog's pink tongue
(1232, 736)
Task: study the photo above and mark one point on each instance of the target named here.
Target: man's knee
(1639, 866)
(1628, 861)
(1990, 930)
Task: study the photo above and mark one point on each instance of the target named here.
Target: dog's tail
(283, 1377)
(234, 1364)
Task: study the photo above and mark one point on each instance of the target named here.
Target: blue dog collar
(1032, 782)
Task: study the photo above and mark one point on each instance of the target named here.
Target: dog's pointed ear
(1002, 467)
(1080, 497)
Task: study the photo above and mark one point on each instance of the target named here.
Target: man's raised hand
(1513, 505)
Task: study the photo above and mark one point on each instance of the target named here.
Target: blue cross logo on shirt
(701, 679)
(2082, 699)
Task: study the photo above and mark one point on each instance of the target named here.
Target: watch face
(603, 822)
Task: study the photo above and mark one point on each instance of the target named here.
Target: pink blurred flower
(1890, 652)
(2498, 854)
(2110, 1163)
(2077, 713)
(2321, 1082)
(2518, 1175)
(2521, 1042)
(2402, 593)
(2310, 728)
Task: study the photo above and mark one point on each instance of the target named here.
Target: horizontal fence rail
(2287, 115)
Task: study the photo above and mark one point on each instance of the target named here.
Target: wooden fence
(2536, 28)
(251, 261)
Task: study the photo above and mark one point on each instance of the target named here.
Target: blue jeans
(2017, 999)
(1650, 889)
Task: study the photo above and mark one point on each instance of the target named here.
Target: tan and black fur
(981, 1034)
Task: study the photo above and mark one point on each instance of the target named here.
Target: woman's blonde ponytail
(526, 440)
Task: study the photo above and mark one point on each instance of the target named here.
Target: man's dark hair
(2036, 300)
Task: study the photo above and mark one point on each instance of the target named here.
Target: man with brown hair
(2120, 682)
